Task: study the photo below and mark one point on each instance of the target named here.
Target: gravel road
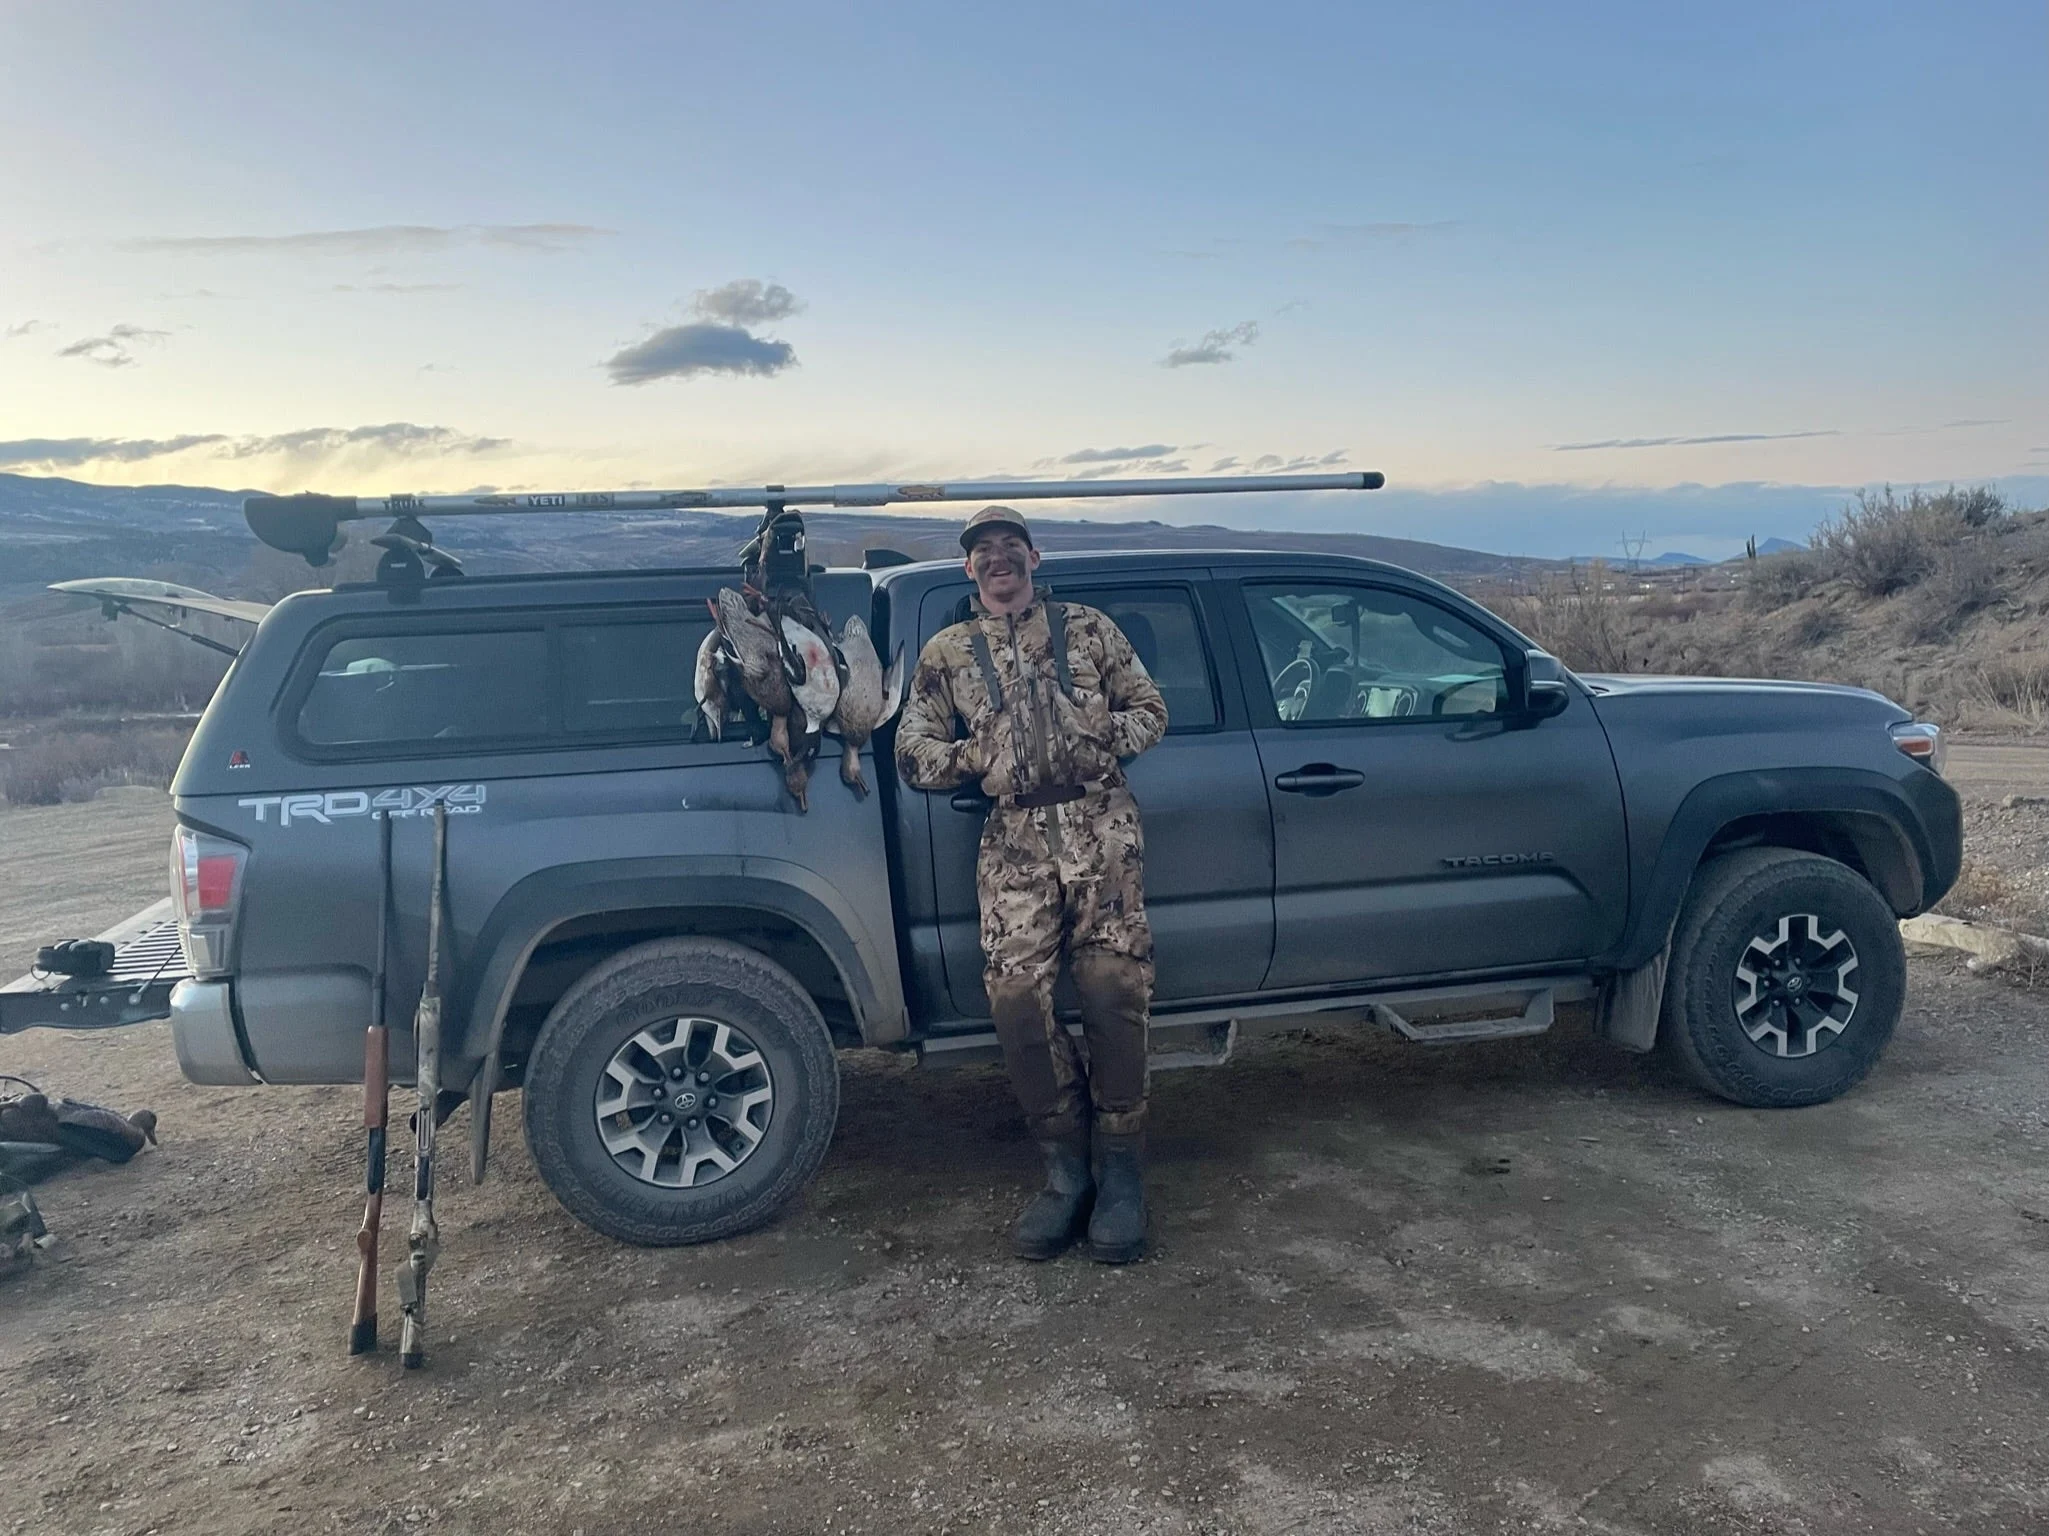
(1666, 1315)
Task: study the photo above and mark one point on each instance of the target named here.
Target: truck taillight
(206, 888)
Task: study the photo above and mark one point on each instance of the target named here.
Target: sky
(1568, 274)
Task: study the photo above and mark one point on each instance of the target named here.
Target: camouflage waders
(1040, 708)
(1069, 877)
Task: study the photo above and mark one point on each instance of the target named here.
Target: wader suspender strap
(1056, 627)
(987, 663)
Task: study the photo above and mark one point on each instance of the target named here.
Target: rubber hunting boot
(1117, 1229)
(1060, 1211)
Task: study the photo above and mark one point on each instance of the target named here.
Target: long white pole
(306, 523)
(876, 495)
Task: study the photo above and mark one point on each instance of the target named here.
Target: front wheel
(682, 1091)
(1787, 978)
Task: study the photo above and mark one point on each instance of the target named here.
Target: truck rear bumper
(203, 1029)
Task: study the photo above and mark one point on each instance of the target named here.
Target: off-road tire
(1736, 897)
(669, 979)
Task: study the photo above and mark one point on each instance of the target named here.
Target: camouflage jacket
(1037, 737)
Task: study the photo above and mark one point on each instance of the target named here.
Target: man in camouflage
(1040, 703)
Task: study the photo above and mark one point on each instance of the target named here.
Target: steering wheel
(1293, 686)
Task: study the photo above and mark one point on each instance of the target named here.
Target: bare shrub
(1965, 579)
(1887, 543)
(1773, 581)
(1811, 626)
(1978, 506)
(1581, 615)
(59, 765)
(2015, 689)
(78, 661)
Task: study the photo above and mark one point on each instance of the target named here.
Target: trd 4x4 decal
(340, 804)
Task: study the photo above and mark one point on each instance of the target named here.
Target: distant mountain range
(1680, 557)
(53, 529)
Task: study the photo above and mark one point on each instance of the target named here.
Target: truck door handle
(1319, 779)
(971, 802)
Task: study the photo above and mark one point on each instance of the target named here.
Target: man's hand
(986, 757)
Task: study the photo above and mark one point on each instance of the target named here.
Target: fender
(548, 898)
(1931, 852)
(543, 901)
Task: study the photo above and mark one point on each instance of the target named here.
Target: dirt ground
(71, 871)
(1666, 1315)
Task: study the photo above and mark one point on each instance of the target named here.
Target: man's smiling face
(1002, 563)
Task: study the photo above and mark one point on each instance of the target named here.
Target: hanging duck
(711, 681)
(758, 659)
(868, 699)
(814, 679)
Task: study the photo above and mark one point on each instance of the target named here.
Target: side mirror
(1546, 697)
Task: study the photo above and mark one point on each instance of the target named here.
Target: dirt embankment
(1667, 1315)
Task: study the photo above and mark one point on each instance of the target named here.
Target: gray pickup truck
(1376, 802)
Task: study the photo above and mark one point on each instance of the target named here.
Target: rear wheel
(1787, 978)
(684, 1090)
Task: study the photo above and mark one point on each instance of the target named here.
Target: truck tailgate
(148, 963)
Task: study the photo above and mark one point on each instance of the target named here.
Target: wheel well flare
(1867, 843)
(569, 950)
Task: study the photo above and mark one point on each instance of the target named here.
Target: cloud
(1274, 463)
(396, 287)
(1215, 346)
(684, 351)
(392, 439)
(1142, 467)
(745, 301)
(1117, 455)
(1223, 464)
(381, 240)
(1340, 234)
(718, 341)
(112, 349)
(26, 328)
(61, 452)
(1689, 442)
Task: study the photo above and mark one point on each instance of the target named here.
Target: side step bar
(1428, 1016)
(1536, 1017)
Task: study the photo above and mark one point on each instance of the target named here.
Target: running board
(1534, 1018)
(1452, 1015)
(1203, 1043)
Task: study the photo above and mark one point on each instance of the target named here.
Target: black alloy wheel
(684, 1090)
(1785, 981)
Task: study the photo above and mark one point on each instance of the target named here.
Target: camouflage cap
(993, 517)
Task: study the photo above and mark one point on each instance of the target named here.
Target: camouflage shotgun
(423, 1240)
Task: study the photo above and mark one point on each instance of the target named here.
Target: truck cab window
(1336, 653)
(631, 678)
(1161, 624)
